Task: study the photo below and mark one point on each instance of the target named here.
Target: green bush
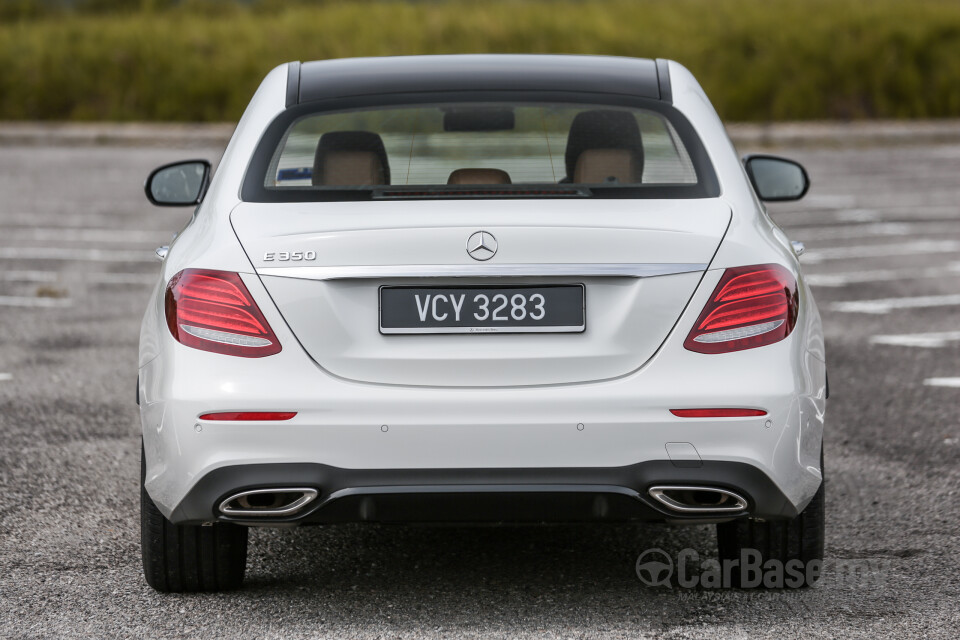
(201, 61)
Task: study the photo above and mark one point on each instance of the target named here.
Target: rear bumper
(350, 433)
(612, 494)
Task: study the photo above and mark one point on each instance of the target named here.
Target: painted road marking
(78, 276)
(876, 214)
(839, 232)
(86, 234)
(92, 255)
(876, 229)
(6, 376)
(943, 382)
(18, 301)
(857, 215)
(886, 305)
(882, 250)
(923, 340)
(879, 275)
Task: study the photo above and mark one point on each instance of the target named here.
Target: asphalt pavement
(881, 226)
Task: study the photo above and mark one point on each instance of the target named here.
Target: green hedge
(781, 59)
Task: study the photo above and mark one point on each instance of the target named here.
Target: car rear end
(481, 305)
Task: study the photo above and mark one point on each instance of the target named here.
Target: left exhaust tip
(272, 502)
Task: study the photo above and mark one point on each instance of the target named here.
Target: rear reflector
(717, 413)
(214, 311)
(249, 415)
(750, 307)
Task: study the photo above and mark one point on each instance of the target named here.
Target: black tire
(783, 541)
(180, 558)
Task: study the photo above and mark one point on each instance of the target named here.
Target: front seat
(604, 146)
(350, 158)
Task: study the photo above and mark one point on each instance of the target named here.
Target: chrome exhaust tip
(268, 502)
(687, 499)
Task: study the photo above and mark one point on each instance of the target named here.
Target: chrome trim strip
(377, 272)
(658, 493)
(410, 330)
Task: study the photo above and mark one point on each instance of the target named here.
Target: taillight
(751, 307)
(213, 311)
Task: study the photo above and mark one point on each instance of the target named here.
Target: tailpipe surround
(273, 502)
(695, 500)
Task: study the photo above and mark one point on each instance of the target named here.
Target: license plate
(520, 309)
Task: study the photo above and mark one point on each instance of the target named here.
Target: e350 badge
(289, 256)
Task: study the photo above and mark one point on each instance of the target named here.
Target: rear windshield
(479, 149)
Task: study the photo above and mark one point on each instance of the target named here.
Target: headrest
(479, 176)
(352, 158)
(606, 165)
(604, 129)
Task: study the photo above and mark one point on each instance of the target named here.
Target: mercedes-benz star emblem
(482, 245)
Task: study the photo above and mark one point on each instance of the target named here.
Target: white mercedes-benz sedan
(478, 289)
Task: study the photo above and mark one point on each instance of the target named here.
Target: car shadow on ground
(569, 575)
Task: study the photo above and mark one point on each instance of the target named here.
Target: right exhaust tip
(694, 499)
(273, 502)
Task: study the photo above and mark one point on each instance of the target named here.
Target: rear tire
(784, 541)
(179, 558)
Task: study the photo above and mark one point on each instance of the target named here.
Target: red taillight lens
(717, 413)
(213, 311)
(242, 416)
(751, 307)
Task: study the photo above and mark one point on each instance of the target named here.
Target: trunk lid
(324, 263)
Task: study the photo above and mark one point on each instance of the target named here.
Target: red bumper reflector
(249, 415)
(717, 413)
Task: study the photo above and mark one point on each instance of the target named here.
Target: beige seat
(607, 165)
(350, 158)
(355, 168)
(604, 144)
(479, 176)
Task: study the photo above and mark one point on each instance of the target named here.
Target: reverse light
(751, 307)
(242, 416)
(718, 413)
(213, 311)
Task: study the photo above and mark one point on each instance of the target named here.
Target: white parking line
(879, 275)
(923, 340)
(882, 250)
(857, 215)
(86, 235)
(91, 255)
(943, 382)
(18, 301)
(839, 232)
(78, 276)
(886, 305)
(843, 215)
(6, 376)
(876, 229)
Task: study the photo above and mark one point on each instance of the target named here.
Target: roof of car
(346, 77)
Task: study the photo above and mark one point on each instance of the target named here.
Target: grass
(774, 60)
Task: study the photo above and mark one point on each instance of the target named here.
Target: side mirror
(178, 184)
(776, 179)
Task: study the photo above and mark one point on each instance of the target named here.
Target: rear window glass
(480, 148)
